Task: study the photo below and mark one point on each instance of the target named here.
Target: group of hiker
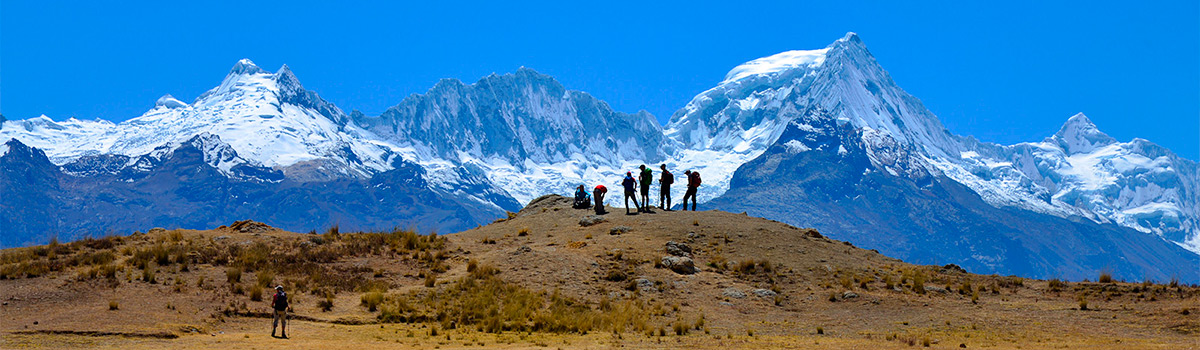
(644, 179)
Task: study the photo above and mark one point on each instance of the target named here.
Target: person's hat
(628, 173)
(278, 287)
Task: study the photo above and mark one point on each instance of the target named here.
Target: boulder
(733, 293)
(679, 249)
(619, 230)
(679, 264)
(765, 293)
(591, 220)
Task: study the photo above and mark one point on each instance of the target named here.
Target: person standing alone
(664, 191)
(693, 183)
(630, 192)
(645, 180)
(279, 302)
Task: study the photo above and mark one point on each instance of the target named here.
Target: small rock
(935, 289)
(679, 249)
(618, 230)
(765, 293)
(726, 303)
(590, 220)
(645, 285)
(220, 238)
(681, 265)
(849, 295)
(523, 249)
(733, 293)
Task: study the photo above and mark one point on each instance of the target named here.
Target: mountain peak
(1079, 135)
(779, 62)
(169, 102)
(850, 37)
(245, 66)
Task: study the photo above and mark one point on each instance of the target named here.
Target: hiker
(693, 183)
(630, 192)
(581, 198)
(664, 185)
(645, 179)
(279, 302)
(598, 193)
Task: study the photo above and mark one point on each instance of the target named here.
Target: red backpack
(694, 180)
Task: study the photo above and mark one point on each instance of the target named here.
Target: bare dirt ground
(756, 284)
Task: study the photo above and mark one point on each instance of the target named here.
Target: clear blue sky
(1003, 73)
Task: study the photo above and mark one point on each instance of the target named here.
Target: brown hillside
(548, 277)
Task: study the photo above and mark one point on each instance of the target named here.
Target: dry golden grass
(488, 287)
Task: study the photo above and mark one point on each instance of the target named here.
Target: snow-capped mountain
(269, 118)
(1077, 172)
(524, 131)
(833, 184)
(1082, 171)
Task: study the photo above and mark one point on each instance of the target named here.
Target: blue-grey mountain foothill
(820, 138)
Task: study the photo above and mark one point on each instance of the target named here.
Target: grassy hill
(554, 277)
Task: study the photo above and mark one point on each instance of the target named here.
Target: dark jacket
(629, 183)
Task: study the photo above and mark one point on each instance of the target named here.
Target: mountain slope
(833, 186)
(189, 185)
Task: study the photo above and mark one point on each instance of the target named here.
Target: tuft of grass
(615, 275)
(325, 304)
(472, 265)
(233, 275)
(372, 301)
(1083, 304)
(256, 293)
(265, 278)
(524, 231)
(1105, 277)
(113, 306)
(430, 280)
(149, 272)
(820, 330)
(680, 328)
(1056, 285)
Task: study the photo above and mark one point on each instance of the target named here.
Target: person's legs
(646, 198)
(664, 198)
(275, 322)
(694, 199)
(627, 196)
(283, 323)
(691, 193)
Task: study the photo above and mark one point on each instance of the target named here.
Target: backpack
(281, 301)
(695, 180)
(668, 178)
(647, 177)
